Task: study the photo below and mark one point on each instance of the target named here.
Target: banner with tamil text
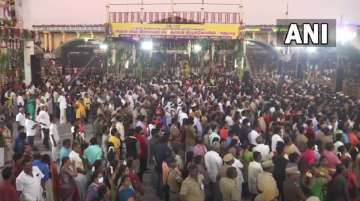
(221, 31)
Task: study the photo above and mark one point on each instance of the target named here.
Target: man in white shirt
(254, 170)
(213, 135)
(30, 128)
(252, 137)
(141, 123)
(28, 183)
(182, 115)
(74, 156)
(80, 179)
(54, 139)
(262, 148)
(239, 166)
(20, 117)
(20, 101)
(229, 120)
(213, 162)
(197, 124)
(62, 106)
(44, 119)
(274, 140)
(120, 128)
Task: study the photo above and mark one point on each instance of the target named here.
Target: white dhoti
(49, 190)
(62, 115)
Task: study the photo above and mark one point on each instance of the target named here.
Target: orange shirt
(224, 133)
(353, 139)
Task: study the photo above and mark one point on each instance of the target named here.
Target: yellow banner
(225, 31)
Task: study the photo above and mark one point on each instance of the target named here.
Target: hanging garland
(9, 14)
(4, 62)
(15, 33)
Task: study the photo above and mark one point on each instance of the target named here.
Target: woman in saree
(55, 179)
(68, 188)
(30, 106)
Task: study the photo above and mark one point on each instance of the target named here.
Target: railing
(71, 27)
(197, 17)
(198, 12)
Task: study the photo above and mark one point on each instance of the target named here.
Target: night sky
(255, 11)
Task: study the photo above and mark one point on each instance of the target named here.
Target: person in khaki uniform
(7, 136)
(190, 135)
(174, 181)
(228, 186)
(266, 183)
(261, 122)
(192, 189)
(228, 161)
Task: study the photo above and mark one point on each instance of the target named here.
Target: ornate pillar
(63, 37)
(50, 42)
(46, 47)
(269, 38)
(253, 35)
(77, 34)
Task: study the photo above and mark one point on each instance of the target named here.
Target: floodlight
(197, 48)
(103, 47)
(147, 45)
(311, 50)
(346, 35)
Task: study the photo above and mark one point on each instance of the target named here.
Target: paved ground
(150, 194)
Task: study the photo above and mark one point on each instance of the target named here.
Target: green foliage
(4, 62)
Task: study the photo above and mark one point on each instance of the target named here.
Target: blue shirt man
(93, 152)
(44, 168)
(65, 149)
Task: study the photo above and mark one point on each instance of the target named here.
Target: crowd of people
(209, 138)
